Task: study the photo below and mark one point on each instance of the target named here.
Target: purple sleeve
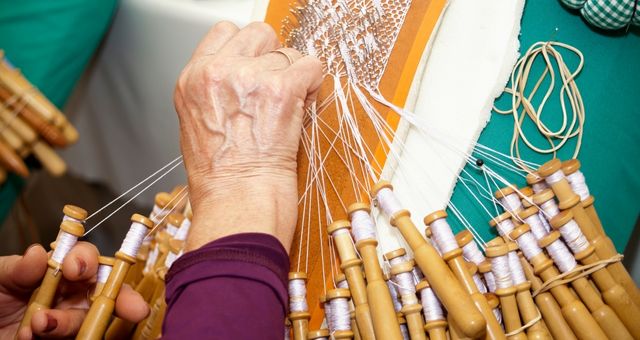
(232, 288)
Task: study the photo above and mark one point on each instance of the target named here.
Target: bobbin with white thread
(613, 293)
(509, 199)
(505, 288)
(526, 196)
(472, 253)
(44, 295)
(341, 320)
(341, 282)
(494, 303)
(435, 322)
(503, 223)
(74, 213)
(161, 208)
(385, 322)
(451, 293)
(536, 182)
(299, 314)
(603, 244)
(97, 319)
(402, 272)
(539, 226)
(174, 221)
(583, 324)
(576, 178)
(105, 264)
(452, 254)
(351, 265)
(319, 334)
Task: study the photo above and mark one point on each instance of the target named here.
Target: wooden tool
(434, 325)
(335, 297)
(351, 266)
(454, 298)
(402, 271)
(105, 265)
(299, 316)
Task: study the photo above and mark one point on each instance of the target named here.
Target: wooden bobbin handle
(385, 322)
(351, 266)
(12, 161)
(529, 312)
(454, 298)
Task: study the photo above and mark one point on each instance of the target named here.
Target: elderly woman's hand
(240, 104)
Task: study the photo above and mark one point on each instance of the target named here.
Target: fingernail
(29, 248)
(52, 323)
(82, 267)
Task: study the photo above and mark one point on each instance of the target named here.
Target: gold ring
(281, 51)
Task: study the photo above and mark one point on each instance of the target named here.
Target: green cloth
(51, 42)
(607, 14)
(610, 153)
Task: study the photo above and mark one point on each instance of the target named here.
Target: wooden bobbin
(526, 194)
(411, 312)
(319, 334)
(102, 261)
(569, 167)
(385, 323)
(603, 244)
(43, 296)
(451, 293)
(527, 307)
(613, 294)
(150, 327)
(335, 294)
(505, 192)
(536, 182)
(577, 315)
(459, 267)
(11, 161)
(97, 319)
(508, 303)
(546, 303)
(299, 320)
(437, 329)
(351, 266)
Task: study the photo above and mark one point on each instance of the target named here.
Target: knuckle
(224, 27)
(262, 30)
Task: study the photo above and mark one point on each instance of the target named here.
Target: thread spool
(97, 319)
(526, 306)
(546, 303)
(526, 194)
(341, 321)
(509, 199)
(43, 296)
(613, 293)
(539, 226)
(174, 221)
(393, 291)
(161, 207)
(319, 334)
(105, 264)
(577, 180)
(402, 271)
(494, 303)
(575, 313)
(472, 253)
(435, 322)
(455, 299)
(452, 254)
(351, 266)
(536, 182)
(604, 246)
(299, 314)
(385, 323)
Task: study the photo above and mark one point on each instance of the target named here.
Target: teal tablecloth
(610, 87)
(51, 42)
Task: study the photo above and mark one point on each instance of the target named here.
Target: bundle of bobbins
(552, 273)
(29, 125)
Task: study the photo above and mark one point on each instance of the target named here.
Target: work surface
(608, 83)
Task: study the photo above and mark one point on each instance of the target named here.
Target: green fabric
(610, 153)
(51, 42)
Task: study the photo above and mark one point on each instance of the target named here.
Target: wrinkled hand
(240, 106)
(20, 275)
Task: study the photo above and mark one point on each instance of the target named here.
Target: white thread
(490, 280)
(151, 260)
(397, 306)
(69, 218)
(481, 287)
(171, 258)
(405, 332)
(539, 187)
(388, 202)
(517, 273)
(537, 228)
(431, 305)
(579, 184)
(544, 221)
(555, 177)
(561, 256)
(287, 332)
(406, 288)
(501, 272)
(157, 214)
(472, 253)
(505, 227)
(362, 226)
(343, 284)
(574, 237)
(550, 208)
(528, 245)
(496, 312)
(103, 273)
(133, 240)
(171, 229)
(417, 273)
(340, 314)
(298, 296)
(64, 243)
(443, 236)
(328, 317)
(511, 202)
(183, 231)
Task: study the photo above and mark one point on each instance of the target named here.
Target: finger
(307, 74)
(56, 323)
(81, 263)
(130, 305)
(23, 273)
(217, 36)
(253, 40)
(279, 59)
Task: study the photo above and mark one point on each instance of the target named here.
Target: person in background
(240, 101)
